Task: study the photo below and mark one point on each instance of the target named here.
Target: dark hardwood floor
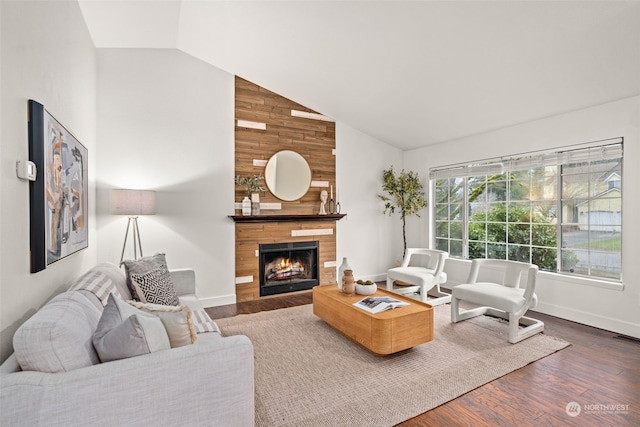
(600, 371)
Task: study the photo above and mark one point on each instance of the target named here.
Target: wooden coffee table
(383, 333)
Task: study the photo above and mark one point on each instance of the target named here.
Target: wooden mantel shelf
(287, 218)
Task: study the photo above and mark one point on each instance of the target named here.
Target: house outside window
(560, 210)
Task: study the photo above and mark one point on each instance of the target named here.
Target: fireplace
(288, 267)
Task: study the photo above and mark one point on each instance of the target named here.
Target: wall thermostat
(26, 170)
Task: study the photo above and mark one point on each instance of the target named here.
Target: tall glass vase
(344, 266)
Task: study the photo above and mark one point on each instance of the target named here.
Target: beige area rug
(309, 374)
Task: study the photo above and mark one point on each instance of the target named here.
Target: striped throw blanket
(203, 323)
(98, 284)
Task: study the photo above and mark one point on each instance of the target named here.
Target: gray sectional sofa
(207, 383)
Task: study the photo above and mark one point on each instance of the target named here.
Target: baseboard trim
(590, 319)
(218, 301)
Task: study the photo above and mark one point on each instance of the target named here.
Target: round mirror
(287, 175)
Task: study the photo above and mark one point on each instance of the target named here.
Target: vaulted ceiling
(409, 73)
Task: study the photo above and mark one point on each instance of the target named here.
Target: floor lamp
(133, 203)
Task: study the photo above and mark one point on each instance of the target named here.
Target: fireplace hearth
(288, 267)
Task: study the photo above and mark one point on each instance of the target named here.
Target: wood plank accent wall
(315, 141)
(249, 236)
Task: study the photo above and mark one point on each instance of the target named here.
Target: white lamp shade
(133, 202)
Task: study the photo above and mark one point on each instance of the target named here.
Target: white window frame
(594, 151)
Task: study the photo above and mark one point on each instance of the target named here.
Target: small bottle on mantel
(246, 206)
(348, 283)
(344, 266)
(255, 204)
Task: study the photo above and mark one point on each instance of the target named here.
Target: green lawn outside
(614, 244)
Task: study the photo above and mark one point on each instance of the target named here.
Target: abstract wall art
(58, 196)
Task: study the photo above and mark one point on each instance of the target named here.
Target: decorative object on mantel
(344, 266)
(404, 194)
(133, 203)
(332, 203)
(251, 186)
(323, 200)
(246, 206)
(255, 204)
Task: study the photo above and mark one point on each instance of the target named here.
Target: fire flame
(286, 262)
(284, 268)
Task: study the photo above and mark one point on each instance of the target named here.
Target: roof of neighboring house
(617, 190)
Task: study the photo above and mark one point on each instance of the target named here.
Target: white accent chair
(426, 280)
(504, 298)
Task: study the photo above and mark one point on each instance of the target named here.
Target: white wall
(585, 301)
(47, 55)
(165, 123)
(371, 241)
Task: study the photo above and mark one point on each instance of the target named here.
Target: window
(560, 210)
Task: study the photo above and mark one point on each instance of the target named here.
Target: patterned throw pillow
(155, 287)
(141, 266)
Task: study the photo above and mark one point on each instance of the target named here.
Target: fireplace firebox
(288, 267)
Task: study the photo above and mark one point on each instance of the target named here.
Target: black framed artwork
(58, 197)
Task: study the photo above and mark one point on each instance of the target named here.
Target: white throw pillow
(177, 320)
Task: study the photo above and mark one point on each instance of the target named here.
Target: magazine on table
(379, 304)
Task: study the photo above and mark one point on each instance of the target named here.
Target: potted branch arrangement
(251, 185)
(404, 193)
